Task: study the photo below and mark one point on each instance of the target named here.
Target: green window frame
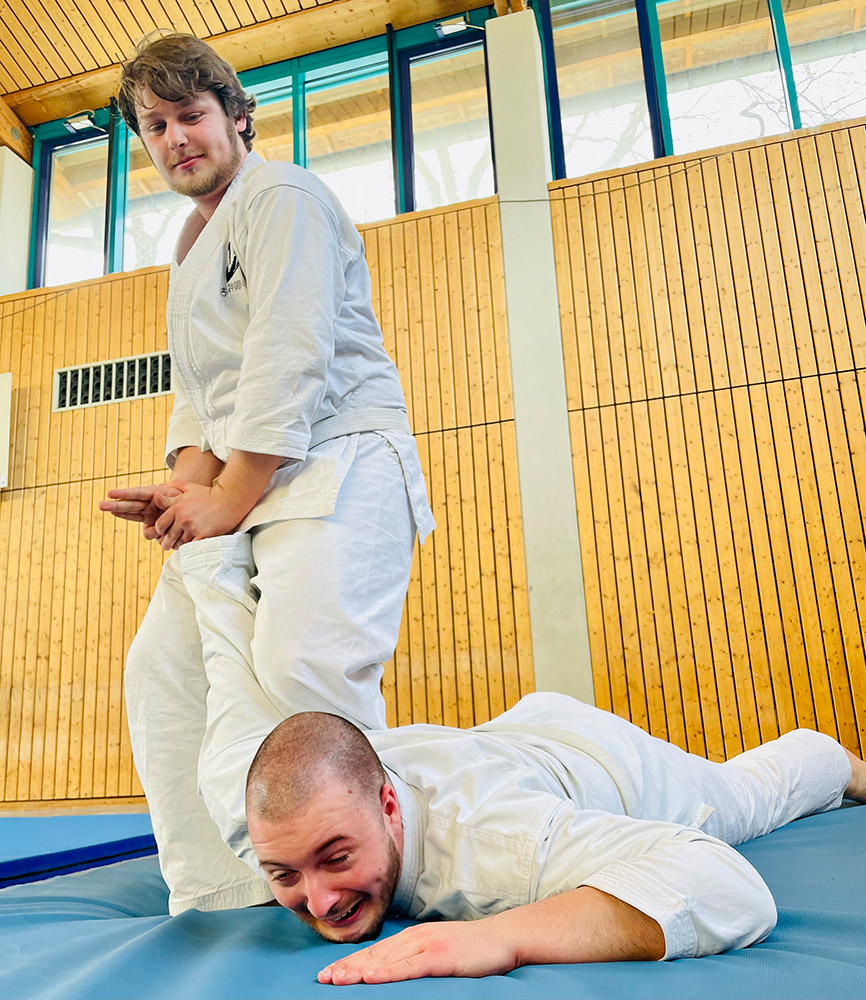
(654, 72)
(295, 78)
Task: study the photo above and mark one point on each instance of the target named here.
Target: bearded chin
(204, 186)
(211, 182)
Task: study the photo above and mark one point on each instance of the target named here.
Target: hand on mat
(195, 511)
(138, 503)
(449, 948)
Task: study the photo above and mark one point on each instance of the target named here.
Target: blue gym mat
(35, 847)
(105, 933)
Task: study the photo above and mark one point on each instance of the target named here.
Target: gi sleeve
(184, 429)
(705, 896)
(294, 267)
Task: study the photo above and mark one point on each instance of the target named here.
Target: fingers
(351, 970)
(396, 959)
(393, 972)
(132, 493)
(168, 532)
(124, 508)
(447, 948)
(171, 532)
(165, 499)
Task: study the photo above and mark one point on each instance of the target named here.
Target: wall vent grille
(112, 381)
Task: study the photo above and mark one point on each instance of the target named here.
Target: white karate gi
(275, 350)
(555, 794)
(551, 795)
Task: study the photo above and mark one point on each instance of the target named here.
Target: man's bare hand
(449, 948)
(140, 503)
(581, 925)
(193, 512)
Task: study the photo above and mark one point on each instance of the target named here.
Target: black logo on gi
(232, 268)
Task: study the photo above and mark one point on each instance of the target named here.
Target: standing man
(289, 429)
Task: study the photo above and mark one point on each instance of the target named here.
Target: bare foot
(857, 788)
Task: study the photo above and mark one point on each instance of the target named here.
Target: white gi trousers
(309, 610)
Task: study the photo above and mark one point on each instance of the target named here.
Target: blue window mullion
(551, 86)
(299, 118)
(783, 54)
(401, 136)
(654, 77)
(116, 190)
(39, 217)
(406, 196)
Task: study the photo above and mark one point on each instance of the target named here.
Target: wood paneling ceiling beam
(14, 134)
(287, 37)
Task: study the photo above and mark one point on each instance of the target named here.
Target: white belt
(372, 419)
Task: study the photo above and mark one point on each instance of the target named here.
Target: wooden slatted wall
(465, 650)
(74, 583)
(715, 345)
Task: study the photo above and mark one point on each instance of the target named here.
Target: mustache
(184, 158)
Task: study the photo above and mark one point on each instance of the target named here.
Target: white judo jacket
(274, 345)
(555, 794)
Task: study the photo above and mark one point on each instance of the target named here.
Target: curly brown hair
(175, 67)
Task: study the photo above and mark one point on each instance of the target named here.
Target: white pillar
(16, 192)
(560, 641)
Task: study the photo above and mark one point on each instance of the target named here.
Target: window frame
(391, 53)
(443, 46)
(49, 139)
(654, 73)
(291, 77)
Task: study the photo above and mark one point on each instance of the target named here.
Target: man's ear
(241, 124)
(390, 804)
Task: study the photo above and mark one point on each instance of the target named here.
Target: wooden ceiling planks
(58, 57)
(48, 40)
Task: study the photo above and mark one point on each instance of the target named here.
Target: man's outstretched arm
(581, 925)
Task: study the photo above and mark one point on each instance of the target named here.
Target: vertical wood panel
(721, 507)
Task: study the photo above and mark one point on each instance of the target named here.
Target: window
(451, 148)
(273, 123)
(335, 112)
(828, 52)
(154, 213)
(74, 244)
(724, 84)
(605, 122)
(349, 143)
(401, 122)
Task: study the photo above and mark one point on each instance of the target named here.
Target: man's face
(335, 863)
(193, 144)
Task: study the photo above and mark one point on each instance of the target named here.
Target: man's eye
(340, 859)
(157, 127)
(284, 878)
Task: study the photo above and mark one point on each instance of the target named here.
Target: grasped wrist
(235, 505)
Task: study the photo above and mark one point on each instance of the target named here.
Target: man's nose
(175, 134)
(321, 897)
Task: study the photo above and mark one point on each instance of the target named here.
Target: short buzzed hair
(301, 755)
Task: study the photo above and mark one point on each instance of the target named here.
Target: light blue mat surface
(35, 846)
(105, 933)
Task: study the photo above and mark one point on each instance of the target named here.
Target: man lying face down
(573, 836)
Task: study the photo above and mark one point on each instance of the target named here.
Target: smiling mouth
(347, 916)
